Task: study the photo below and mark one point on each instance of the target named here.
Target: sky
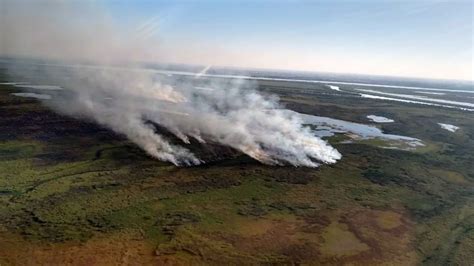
(431, 39)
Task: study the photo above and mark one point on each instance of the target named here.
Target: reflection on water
(32, 95)
(326, 127)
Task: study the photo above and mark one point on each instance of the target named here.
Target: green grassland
(88, 196)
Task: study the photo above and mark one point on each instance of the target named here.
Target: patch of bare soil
(120, 249)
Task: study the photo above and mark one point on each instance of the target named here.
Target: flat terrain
(72, 192)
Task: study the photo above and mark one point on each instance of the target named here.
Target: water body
(39, 87)
(419, 98)
(380, 119)
(32, 95)
(376, 97)
(431, 93)
(332, 87)
(448, 127)
(330, 125)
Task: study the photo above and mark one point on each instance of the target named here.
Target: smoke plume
(133, 101)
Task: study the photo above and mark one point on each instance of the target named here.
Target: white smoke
(133, 102)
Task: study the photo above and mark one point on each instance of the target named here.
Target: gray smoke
(131, 101)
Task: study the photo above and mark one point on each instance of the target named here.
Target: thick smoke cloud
(133, 102)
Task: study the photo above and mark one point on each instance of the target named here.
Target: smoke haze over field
(133, 102)
(66, 30)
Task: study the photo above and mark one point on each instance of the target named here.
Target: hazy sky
(407, 38)
(404, 38)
